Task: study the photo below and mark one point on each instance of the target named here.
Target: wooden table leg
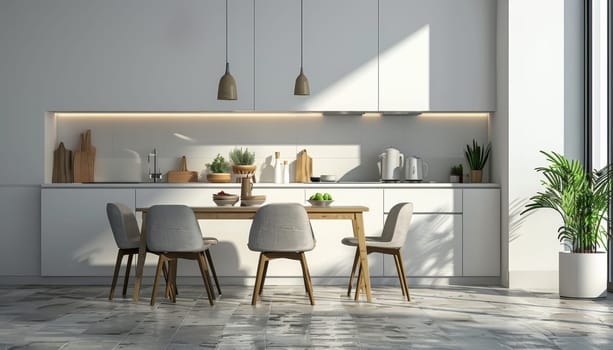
(140, 264)
(358, 232)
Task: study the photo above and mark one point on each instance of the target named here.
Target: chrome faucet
(153, 158)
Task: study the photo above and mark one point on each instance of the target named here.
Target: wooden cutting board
(303, 168)
(84, 159)
(183, 175)
(62, 165)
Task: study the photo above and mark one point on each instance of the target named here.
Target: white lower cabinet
(454, 232)
(481, 231)
(76, 239)
(330, 258)
(433, 247)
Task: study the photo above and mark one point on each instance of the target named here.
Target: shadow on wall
(516, 221)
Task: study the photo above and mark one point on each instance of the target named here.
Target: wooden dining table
(353, 213)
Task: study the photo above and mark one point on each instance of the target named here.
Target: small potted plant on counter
(456, 175)
(242, 163)
(477, 157)
(582, 200)
(218, 170)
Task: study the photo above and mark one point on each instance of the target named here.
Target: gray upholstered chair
(391, 241)
(127, 236)
(281, 230)
(173, 232)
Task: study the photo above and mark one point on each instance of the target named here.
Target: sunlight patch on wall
(405, 67)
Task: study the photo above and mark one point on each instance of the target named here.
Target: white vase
(583, 275)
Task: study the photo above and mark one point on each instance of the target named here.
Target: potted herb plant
(477, 157)
(218, 170)
(242, 162)
(456, 174)
(582, 200)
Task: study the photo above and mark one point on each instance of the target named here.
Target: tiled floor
(81, 317)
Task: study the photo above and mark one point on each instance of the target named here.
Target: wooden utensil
(84, 159)
(183, 175)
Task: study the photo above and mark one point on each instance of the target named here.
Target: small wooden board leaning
(62, 165)
(304, 166)
(84, 159)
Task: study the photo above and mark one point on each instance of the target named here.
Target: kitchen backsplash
(346, 146)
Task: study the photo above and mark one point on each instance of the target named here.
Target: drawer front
(425, 200)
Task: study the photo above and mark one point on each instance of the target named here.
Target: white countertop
(272, 185)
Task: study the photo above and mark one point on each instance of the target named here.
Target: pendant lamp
(302, 83)
(227, 84)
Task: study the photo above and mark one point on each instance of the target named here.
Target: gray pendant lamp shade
(301, 88)
(227, 84)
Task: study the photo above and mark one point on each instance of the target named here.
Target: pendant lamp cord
(226, 31)
(301, 32)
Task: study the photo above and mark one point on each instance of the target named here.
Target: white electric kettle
(416, 169)
(391, 163)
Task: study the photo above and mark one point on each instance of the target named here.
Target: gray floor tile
(453, 317)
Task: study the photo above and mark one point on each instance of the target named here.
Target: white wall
(539, 108)
(143, 55)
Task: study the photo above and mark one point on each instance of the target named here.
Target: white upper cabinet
(240, 53)
(340, 55)
(437, 55)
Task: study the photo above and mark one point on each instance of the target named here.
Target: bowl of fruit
(224, 199)
(321, 200)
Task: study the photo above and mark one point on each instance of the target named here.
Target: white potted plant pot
(583, 275)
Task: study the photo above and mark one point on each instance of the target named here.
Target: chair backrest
(123, 224)
(173, 228)
(281, 227)
(397, 224)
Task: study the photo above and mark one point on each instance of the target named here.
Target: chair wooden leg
(263, 277)
(172, 279)
(404, 275)
(307, 277)
(358, 286)
(353, 268)
(161, 262)
(399, 271)
(170, 288)
(258, 279)
(116, 273)
(212, 266)
(127, 276)
(204, 271)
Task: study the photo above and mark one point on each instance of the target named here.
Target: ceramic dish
(321, 203)
(328, 178)
(225, 202)
(225, 196)
(251, 202)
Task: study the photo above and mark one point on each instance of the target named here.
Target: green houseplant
(242, 162)
(477, 157)
(582, 200)
(218, 170)
(456, 174)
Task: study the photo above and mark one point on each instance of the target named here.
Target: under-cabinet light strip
(453, 115)
(185, 115)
